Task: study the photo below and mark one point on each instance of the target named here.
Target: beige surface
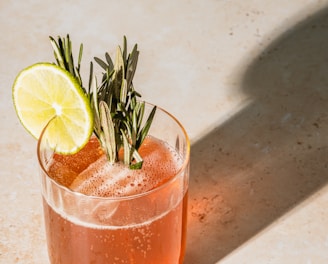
(248, 79)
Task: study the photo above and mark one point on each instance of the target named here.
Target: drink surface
(149, 229)
(90, 173)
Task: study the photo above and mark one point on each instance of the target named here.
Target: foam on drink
(115, 180)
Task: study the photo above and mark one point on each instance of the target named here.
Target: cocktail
(119, 196)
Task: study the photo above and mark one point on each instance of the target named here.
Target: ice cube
(106, 180)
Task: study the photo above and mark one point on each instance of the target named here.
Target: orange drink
(97, 212)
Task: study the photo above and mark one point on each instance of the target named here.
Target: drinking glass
(147, 227)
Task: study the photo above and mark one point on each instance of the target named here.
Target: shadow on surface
(269, 157)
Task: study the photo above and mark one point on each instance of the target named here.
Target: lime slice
(44, 91)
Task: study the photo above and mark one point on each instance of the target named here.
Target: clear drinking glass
(147, 227)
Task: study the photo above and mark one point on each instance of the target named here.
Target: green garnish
(118, 115)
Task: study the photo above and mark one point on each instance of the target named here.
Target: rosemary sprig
(118, 114)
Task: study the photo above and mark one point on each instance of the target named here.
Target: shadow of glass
(272, 155)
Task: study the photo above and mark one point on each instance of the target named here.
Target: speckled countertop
(249, 81)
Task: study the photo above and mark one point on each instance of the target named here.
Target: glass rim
(127, 197)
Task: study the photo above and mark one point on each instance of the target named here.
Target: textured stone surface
(248, 79)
